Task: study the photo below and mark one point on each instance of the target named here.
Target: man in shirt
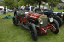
(23, 7)
(27, 8)
(19, 8)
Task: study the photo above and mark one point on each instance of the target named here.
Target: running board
(23, 26)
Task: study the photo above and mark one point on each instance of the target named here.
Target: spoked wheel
(56, 25)
(15, 21)
(33, 32)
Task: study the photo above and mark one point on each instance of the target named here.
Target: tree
(1, 2)
(18, 0)
(21, 2)
(10, 3)
(53, 3)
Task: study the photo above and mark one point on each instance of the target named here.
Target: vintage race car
(36, 23)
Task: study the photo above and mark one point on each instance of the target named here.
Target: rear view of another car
(10, 10)
(1, 8)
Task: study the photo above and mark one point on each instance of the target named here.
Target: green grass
(58, 10)
(11, 33)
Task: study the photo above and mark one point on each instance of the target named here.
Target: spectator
(15, 11)
(4, 10)
(27, 8)
(23, 7)
(36, 8)
(60, 7)
(29, 5)
(19, 8)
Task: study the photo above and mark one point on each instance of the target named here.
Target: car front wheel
(56, 25)
(33, 32)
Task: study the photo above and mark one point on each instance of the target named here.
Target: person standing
(4, 10)
(19, 8)
(15, 11)
(27, 8)
(23, 7)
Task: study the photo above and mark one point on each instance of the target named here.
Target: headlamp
(40, 20)
(51, 19)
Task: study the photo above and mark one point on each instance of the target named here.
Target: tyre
(15, 21)
(56, 25)
(33, 32)
(59, 20)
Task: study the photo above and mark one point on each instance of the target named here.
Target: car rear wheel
(15, 21)
(33, 32)
(59, 20)
(56, 25)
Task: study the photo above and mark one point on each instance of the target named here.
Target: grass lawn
(58, 10)
(11, 33)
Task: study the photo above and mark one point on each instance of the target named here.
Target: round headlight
(51, 19)
(40, 20)
(62, 14)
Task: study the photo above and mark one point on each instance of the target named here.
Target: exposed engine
(37, 19)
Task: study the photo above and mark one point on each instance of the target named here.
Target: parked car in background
(9, 10)
(1, 8)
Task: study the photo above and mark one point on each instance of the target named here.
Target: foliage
(21, 2)
(10, 3)
(26, 2)
(1, 2)
(51, 2)
(18, 0)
